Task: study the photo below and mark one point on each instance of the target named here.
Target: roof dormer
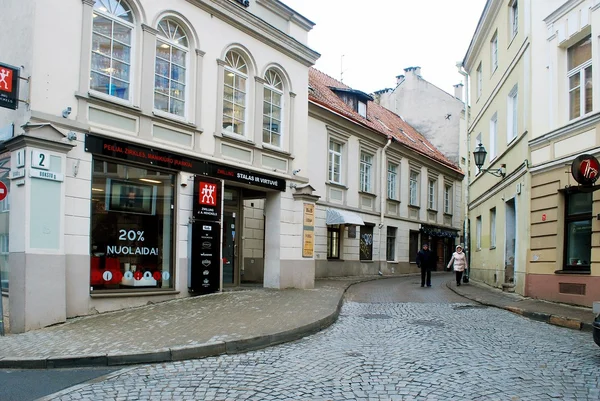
(355, 99)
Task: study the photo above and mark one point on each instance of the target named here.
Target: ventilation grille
(571, 288)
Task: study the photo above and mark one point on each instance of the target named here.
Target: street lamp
(479, 156)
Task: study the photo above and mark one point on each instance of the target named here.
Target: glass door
(230, 247)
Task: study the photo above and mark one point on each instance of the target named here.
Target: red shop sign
(585, 169)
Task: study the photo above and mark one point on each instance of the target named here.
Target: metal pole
(468, 172)
(1, 313)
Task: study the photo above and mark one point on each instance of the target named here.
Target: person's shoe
(422, 285)
(458, 284)
(429, 285)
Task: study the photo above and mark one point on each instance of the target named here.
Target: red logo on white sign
(6, 78)
(207, 194)
(3, 191)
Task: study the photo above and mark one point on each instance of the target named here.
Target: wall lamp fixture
(479, 156)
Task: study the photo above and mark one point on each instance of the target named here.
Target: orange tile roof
(378, 118)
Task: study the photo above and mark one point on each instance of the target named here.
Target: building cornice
(486, 22)
(287, 13)
(255, 27)
(509, 180)
(561, 11)
(561, 162)
(578, 125)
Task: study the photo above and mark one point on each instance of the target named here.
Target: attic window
(428, 147)
(362, 109)
(406, 135)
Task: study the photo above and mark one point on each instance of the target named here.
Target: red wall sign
(585, 169)
(544, 217)
(3, 191)
(9, 86)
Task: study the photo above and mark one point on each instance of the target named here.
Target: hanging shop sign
(9, 86)
(207, 198)
(438, 232)
(585, 169)
(160, 158)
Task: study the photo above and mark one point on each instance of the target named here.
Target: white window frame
(335, 157)
(173, 42)
(414, 188)
(479, 80)
(392, 181)
(238, 74)
(274, 86)
(362, 109)
(514, 18)
(478, 233)
(512, 120)
(494, 51)
(366, 172)
(102, 8)
(493, 227)
(493, 137)
(432, 194)
(448, 199)
(579, 70)
(4, 244)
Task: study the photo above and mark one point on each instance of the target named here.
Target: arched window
(272, 108)
(111, 48)
(170, 70)
(234, 93)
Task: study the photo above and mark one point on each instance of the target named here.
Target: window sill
(335, 260)
(110, 100)
(172, 118)
(237, 138)
(370, 194)
(447, 214)
(337, 185)
(125, 293)
(432, 210)
(414, 206)
(276, 150)
(367, 261)
(567, 272)
(492, 247)
(393, 200)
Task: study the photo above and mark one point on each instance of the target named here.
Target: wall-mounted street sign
(585, 169)
(9, 86)
(46, 175)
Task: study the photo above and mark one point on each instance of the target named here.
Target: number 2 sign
(40, 160)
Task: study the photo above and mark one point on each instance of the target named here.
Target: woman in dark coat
(426, 262)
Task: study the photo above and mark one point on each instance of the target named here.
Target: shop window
(132, 228)
(366, 243)
(578, 232)
(112, 33)
(333, 243)
(413, 246)
(390, 249)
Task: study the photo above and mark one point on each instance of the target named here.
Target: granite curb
(549, 318)
(179, 353)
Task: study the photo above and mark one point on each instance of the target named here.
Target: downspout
(383, 193)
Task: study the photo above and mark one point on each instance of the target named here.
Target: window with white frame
(392, 181)
(448, 199)
(478, 232)
(479, 80)
(493, 136)
(234, 93)
(514, 18)
(273, 108)
(579, 65)
(512, 115)
(390, 246)
(493, 227)
(432, 194)
(335, 162)
(171, 68)
(366, 171)
(494, 51)
(112, 36)
(414, 189)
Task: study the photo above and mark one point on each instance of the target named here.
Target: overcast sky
(379, 38)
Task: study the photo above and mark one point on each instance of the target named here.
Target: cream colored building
(127, 102)
(499, 61)
(564, 261)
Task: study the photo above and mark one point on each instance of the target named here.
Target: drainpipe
(383, 193)
(467, 244)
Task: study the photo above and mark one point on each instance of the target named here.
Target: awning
(336, 216)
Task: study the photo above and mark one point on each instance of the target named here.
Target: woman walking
(460, 263)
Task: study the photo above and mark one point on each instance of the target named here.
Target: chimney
(399, 79)
(458, 91)
(415, 70)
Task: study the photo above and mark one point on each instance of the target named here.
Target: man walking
(426, 262)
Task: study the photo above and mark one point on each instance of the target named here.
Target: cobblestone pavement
(384, 347)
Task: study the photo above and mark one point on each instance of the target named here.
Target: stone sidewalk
(228, 322)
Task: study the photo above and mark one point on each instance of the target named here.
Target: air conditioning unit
(518, 189)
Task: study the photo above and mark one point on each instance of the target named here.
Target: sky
(378, 39)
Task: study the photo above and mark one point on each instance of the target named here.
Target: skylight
(381, 122)
(408, 136)
(428, 147)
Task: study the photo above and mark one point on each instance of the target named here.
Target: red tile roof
(378, 118)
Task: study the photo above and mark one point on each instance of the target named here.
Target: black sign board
(9, 86)
(205, 258)
(585, 169)
(160, 158)
(207, 198)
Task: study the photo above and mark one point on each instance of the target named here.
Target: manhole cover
(459, 307)
(376, 316)
(427, 323)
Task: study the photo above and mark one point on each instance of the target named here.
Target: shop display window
(578, 232)
(132, 228)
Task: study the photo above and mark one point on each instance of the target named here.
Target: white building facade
(134, 109)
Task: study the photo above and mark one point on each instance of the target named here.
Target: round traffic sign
(3, 191)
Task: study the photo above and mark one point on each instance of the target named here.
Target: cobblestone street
(393, 341)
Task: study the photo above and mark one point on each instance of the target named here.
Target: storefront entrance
(232, 234)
